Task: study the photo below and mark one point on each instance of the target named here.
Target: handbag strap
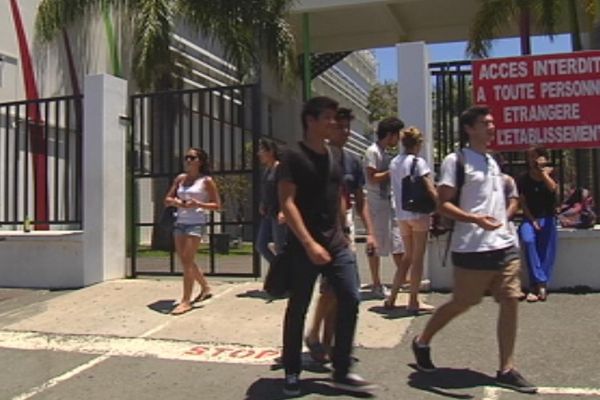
(413, 167)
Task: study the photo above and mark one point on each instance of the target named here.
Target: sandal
(531, 297)
(202, 297)
(317, 351)
(181, 308)
(543, 294)
(388, 304)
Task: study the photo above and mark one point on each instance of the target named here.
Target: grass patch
(244, 249)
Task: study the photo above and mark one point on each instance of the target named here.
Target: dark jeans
(342, 277)
(270, 230)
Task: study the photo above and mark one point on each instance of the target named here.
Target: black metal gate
(452, 93)
(223, 121)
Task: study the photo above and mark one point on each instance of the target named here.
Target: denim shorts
(188, 229)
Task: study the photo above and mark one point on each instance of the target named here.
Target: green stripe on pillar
(306, 55)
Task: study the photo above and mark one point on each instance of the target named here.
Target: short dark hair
(387, 126)
(470, 115)
(315, 107)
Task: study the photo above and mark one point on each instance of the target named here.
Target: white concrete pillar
(415, 99)
(414, 91)
(104, 146)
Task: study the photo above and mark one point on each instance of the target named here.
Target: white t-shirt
(377, 158)
(399, 169)
(481, 193)
(196, 191)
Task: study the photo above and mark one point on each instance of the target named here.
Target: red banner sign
(551, 100)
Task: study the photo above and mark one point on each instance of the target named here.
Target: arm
(171, 199)
(450, 210)
(287, 193)
(431, 188)
(377, 177)
(214, 199)
(362, 208)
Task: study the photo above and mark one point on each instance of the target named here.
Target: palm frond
(153, 26)
(491, 17)
(548, 14)
(54, 15)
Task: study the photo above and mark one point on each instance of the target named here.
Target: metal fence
(223, 121)
(40, 164)
(452, 93)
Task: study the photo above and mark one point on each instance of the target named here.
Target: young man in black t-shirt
(310, 198)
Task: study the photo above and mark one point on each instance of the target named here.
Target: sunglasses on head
(191, 158)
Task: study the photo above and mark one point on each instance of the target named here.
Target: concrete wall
(576, 262)
(63, 259)
(41, 259)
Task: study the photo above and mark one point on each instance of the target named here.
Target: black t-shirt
(538, 198)
(317, 193)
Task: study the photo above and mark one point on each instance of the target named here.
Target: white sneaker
(380, 292)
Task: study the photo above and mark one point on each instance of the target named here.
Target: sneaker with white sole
(422, 356)
(380, 291)
(291, 385)
(353, 383)
(512, 379)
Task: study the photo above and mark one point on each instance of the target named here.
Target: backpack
(441, 225)
(415, 196)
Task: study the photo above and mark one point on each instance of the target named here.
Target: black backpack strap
(413, 167)
(460, 181)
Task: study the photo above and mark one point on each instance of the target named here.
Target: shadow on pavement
(259, 294)
(162, 306)
(445, 380)
(272, 389)
(394, 313)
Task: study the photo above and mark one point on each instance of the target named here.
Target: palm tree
(493, 15)
(246, 29)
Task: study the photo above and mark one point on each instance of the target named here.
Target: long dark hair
(204, 162)
(269, 145)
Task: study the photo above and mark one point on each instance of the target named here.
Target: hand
(280, 218)
(487, 222)
(371, 242)
(193, 203)
(317, 254)
(261, 210)
(536, 226)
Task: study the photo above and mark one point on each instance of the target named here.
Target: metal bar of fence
(19, 189)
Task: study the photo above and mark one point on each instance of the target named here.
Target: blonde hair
(411, 137)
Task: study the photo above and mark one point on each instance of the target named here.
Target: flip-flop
(531, 298)
(178, 311)
(202, 297)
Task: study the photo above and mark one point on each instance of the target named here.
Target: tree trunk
(525, 31)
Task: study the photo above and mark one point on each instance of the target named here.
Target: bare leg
(329, 324)
(186, 247)
(439, 319)
(374, 267)
(419, 243)
(402, 262)
(507, 332)
(321, 312)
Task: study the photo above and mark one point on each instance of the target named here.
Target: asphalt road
(558, 349)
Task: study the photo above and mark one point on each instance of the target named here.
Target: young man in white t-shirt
(483, 247)
(380, 202)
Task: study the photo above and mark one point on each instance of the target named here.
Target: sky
(388, 68)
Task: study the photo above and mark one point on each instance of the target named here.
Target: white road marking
(140, 347)
(135, 347)
(67, 375)
(494, 393)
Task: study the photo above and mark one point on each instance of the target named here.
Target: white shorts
(385, 228)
